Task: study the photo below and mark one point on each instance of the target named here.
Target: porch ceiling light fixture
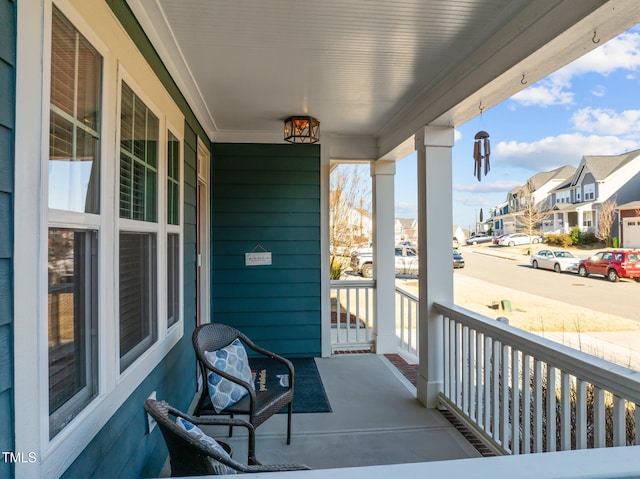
(301, 129)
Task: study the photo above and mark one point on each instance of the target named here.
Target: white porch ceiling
(373, 69)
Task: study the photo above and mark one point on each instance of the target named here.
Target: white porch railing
(407, 323)
(352, 315)
(523, 393)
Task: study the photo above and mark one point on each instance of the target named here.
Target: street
(596, 293)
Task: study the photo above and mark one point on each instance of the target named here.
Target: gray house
(142, 155)
(596, 180)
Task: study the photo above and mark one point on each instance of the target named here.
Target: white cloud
(607, 122)
(555, 151)
(550, 91)
(622, 52)
(599, 90)
(486, 187)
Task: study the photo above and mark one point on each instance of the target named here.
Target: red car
(613, 265)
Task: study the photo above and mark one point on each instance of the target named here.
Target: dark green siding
(267, 196)
(7, 125)
(122, 448)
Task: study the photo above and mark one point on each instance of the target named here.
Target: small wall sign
(257, 258)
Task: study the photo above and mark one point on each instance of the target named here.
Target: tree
(531, 216)
(606, 218)
(349, 214)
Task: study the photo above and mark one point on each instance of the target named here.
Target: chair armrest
(269, 354)
(277, 468)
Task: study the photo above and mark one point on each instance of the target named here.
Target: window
(587, 219)
(137, 295)
(589, 191)
(139, 129)
(74, 167)
(74, 191)
(173, 180)
(72, 306)
(173, 278)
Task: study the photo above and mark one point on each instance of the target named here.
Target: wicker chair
(190, 457)
(257, 405)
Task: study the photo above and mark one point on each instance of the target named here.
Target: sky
(589, 107)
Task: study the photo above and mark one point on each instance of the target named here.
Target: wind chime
(481, 150)
(481, 153)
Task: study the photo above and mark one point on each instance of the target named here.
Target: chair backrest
(214, 336)
(188, 456)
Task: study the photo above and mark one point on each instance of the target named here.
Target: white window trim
(179, 228)
(33, 216)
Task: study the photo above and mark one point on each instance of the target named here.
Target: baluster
(581, 414)
(495, 391)
(464, 370)
(348, 315)
(565, 412)
(551, 408)
(488, 361)
(472, 375)
(526, 404)
(458, 356)
(599, 433)
(619, 422)
(537, 405)
(504, 397)
(338, 313)
(636, 423)
(479, 381)
(452, 360)
(515, 402)
(447, 356)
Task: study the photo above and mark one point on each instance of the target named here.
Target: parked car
(497, 239)
(558, 261)
(519, 239)
(614, 264)
(479, 238)
(406, 262)
(458, 260)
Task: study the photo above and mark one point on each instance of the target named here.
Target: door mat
(309, 395)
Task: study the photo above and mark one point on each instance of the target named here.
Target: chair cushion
(233, 360)
(198, 434)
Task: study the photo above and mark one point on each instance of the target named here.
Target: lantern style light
(301, 129)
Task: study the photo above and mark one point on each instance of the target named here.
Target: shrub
(576, 235)
(562, 240)
(588, 238)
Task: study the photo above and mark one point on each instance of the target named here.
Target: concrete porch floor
(376, 420)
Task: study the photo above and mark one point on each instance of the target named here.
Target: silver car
(558, 261)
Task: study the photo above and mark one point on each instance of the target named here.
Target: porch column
(580, 215)
(384, 334)
(435, 223)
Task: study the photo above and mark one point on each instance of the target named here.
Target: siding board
(6, 165)
(6, 362)
(7, 127)
(268, 195)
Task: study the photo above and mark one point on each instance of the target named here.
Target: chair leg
(231, 427)
(290, 411)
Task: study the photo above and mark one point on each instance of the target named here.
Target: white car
(558, 261)
(518, 239)
(406, 262)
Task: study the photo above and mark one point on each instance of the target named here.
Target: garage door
(631, 232)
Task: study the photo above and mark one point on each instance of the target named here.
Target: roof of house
(602, 166)
(561, 173)
(630, 206)
(406, 223)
